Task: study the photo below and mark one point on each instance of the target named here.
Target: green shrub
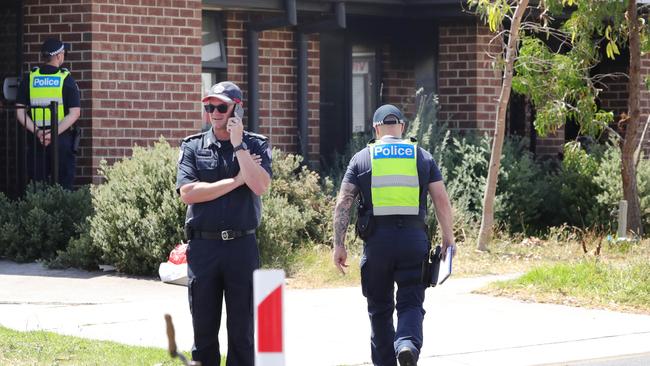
(80, 252)
(336, 171)
(577, 188)
(43, 221)
(8, 229)
(608, 179)
(521, 190)
(138, 214)
(643, 185)
(296, 211)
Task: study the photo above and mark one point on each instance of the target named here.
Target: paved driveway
(325, 326)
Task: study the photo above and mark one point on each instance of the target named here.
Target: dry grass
(611, 275)
(313, 267)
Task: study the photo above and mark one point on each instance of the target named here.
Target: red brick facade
(398, 76)
(138, 66)
(277, 80)
(468, 84)
(71, 22)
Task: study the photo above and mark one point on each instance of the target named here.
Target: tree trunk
(628, 167)
(487, 219)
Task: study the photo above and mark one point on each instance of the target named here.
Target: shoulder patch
(193, 137)
(256, 136)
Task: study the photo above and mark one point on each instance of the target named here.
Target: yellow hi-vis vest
(44, 89)
(395, 188)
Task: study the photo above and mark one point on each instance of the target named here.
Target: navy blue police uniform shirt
(359, 174)
(70, 90)
(205, 159)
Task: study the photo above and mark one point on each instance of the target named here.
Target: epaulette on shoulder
(193, 137)
(413, 139)
(372, 141)
(34, 68)
(257, 136)
(64, 69)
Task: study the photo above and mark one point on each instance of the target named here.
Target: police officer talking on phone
(391, 178)
(221, 175)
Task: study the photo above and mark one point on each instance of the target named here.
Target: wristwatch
(241, 146)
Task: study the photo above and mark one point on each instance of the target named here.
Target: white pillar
(622, 220)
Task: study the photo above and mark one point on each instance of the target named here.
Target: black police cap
(53, 46)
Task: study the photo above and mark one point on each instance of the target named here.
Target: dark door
(335, 125)
(11, 177)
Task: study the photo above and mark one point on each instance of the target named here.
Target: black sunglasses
(221, 108)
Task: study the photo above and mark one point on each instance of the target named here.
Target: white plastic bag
(173, 273)
(175, 269)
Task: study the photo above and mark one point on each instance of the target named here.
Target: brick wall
(137, 64)
(277, 80)
(398, 76)
(68, 20)
(468, 84)
(146, 65)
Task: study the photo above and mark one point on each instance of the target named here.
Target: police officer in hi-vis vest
(392, 177)
(45, 84)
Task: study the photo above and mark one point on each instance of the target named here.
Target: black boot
(406, 357)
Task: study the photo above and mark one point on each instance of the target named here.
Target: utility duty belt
(400, 221)
(367, 223)
(191, 233)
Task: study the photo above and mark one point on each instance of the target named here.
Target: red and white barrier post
(268, 294)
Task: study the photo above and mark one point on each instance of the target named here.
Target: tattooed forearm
(342, 212)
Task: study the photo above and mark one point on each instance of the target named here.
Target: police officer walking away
(45, 84)
(392, 178)
(221, 174)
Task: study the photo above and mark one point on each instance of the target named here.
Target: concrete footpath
(327, 326)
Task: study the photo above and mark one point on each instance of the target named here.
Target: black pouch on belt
(365, 226)
(431, 267)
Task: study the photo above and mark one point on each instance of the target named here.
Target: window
(213, 52)
(363, 87)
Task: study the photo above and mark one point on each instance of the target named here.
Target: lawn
(47, 349)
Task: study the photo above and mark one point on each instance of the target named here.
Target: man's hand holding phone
(236, 129)
(235, 126)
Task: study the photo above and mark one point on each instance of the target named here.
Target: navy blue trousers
(218, 269)
(394, 255)
(39, 160)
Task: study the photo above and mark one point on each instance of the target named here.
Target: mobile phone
(238, 111)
